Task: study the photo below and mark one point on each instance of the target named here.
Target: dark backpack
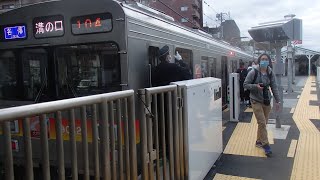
(242, 73)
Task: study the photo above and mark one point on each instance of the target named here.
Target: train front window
(34, 77)
(88, 69)
(8, 75)
(22, 74)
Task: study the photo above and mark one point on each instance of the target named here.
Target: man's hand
(259, 87)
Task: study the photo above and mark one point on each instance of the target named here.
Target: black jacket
(165, 73)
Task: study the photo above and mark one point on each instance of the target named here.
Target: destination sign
(94, 23)
(13, 32)
(48, 26)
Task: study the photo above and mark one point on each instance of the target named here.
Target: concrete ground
(279, 166)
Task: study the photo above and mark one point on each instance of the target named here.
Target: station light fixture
(232, 53)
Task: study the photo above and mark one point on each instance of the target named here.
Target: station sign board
(283, 30)
(48, 26)
(93, 23)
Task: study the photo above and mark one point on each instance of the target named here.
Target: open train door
(224, 80)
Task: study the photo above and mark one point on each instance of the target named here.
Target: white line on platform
(292, 110)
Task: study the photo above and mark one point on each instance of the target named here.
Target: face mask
(264, 64)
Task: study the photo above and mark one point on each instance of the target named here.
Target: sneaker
(259, 144)
(267, 150)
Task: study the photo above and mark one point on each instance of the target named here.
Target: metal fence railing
(163, 133)
(98, 137)
(106, 120)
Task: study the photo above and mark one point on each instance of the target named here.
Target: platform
(296, 146)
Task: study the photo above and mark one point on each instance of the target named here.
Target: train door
(213, 67)
(224, 79)
(205, 66)
(153, 56)
(234, 66)
(153, 61)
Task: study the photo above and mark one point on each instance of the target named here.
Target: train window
(88, 69)
(22, 76)
(8, 75)
(186, 55)
(33, 61)
(153, 56)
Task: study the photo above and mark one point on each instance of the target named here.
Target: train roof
(135, 10)
(132, 10)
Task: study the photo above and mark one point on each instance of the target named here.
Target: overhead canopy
(277, 31)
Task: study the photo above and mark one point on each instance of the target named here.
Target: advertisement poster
(17, 130)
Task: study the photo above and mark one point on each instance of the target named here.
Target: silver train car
(70, 48)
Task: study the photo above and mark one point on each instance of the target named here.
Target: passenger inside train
(167, 71)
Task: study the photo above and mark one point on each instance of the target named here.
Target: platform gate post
(234, 97)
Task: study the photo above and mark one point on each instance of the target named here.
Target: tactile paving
(292, 110)
(307, 158)
(242, 141)
(229, 177)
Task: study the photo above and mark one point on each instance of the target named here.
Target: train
(65, 49)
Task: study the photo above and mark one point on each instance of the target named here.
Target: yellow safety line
(242, 141)
(292, 110)
(270, 137)
(307, 158)
(229, 177)
(292, 148)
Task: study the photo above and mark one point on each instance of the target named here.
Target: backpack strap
(269, 75)
(256, 75)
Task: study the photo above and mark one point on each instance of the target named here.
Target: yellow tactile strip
(292, 110)
(242, 141)
(292, 148)
(307, 158)
(229, 177)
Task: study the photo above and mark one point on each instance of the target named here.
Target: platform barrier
(234, 97)
(62, 140)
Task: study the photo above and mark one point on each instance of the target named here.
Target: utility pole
(278, 70)
(220, 17)
(290, 72)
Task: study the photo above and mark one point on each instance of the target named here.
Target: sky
(250, 13)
